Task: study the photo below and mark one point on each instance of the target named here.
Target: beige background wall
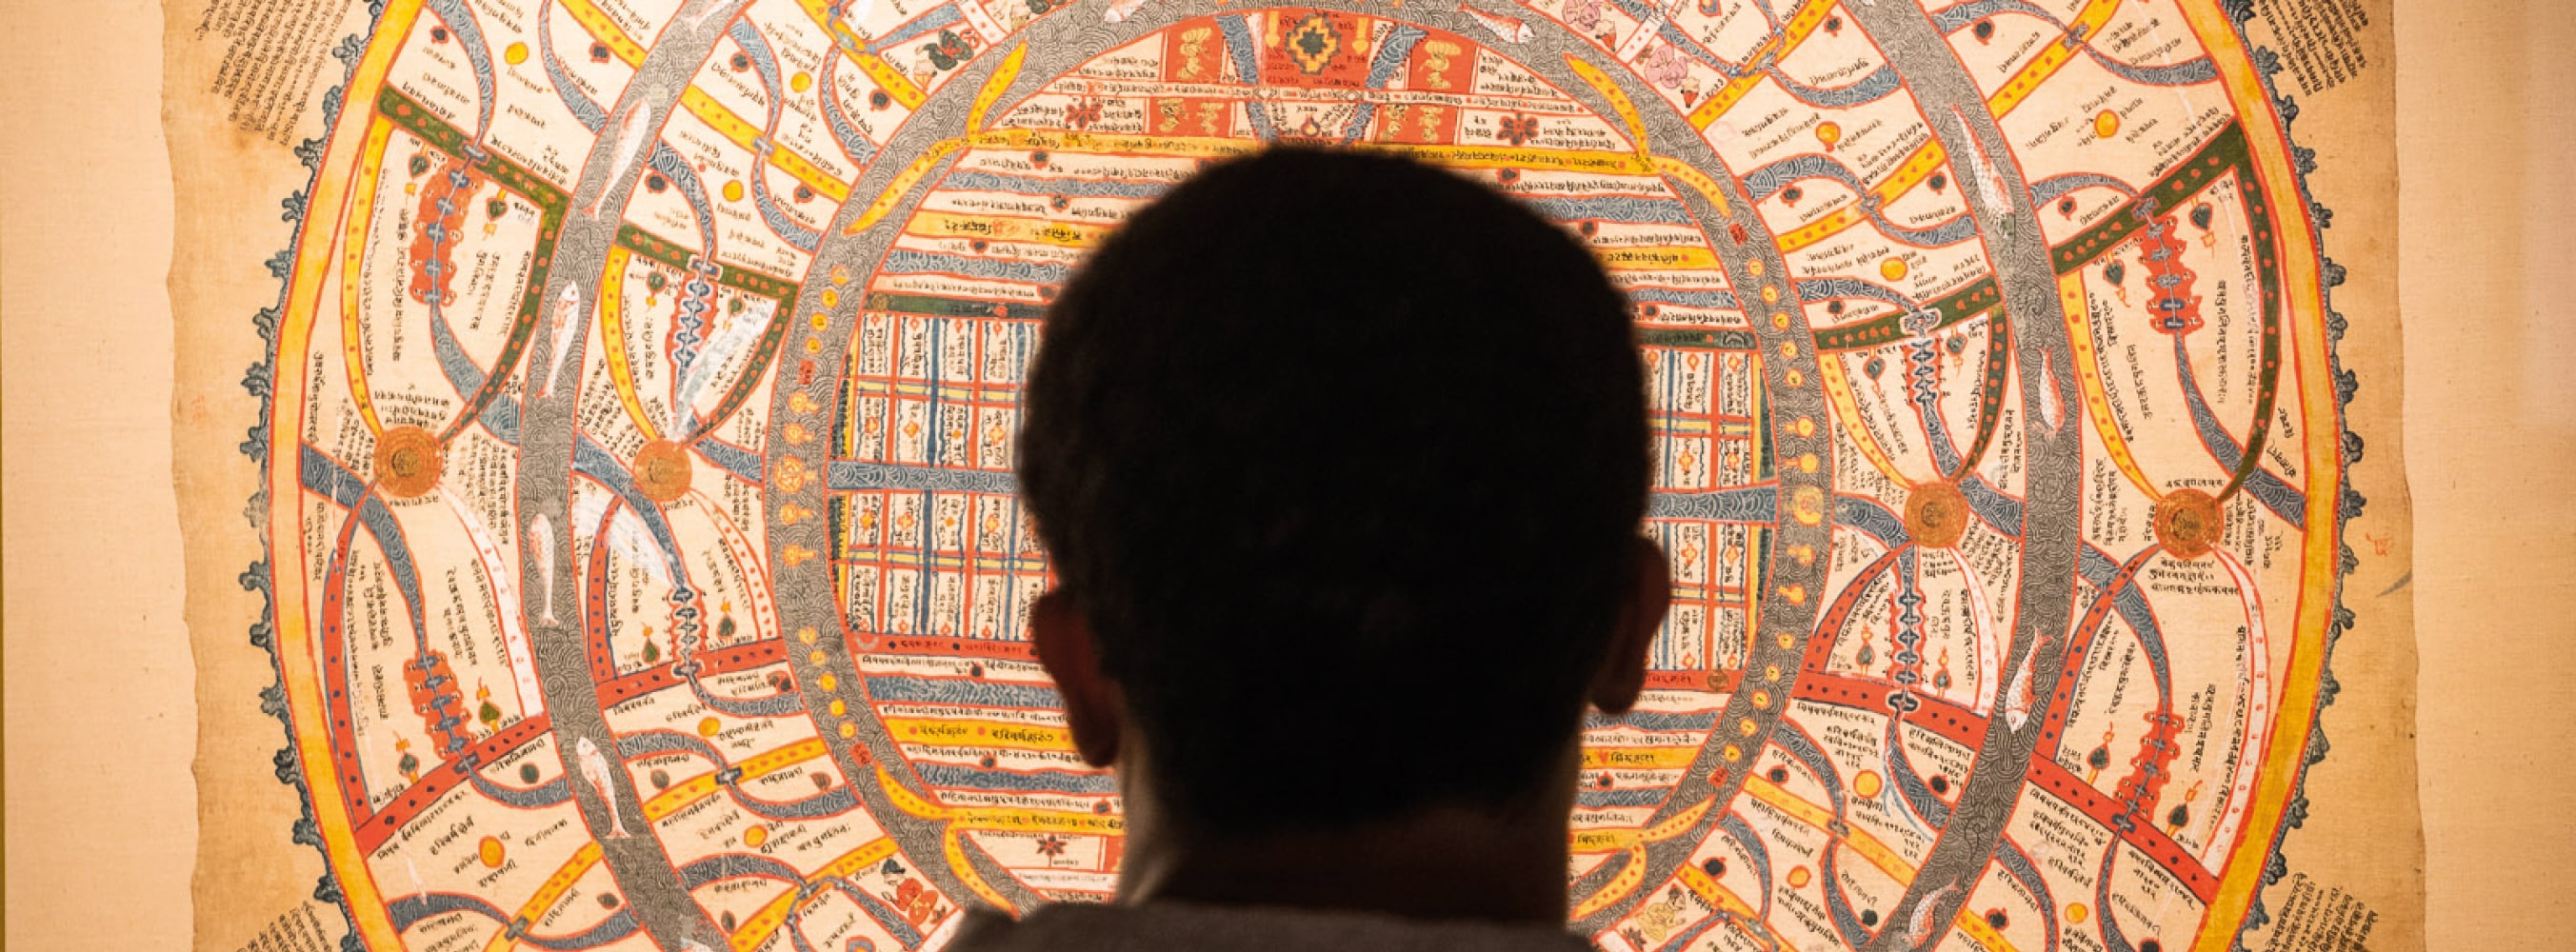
(2486, 92)
(100, 692)
(100, 717)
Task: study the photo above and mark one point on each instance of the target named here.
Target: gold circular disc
(408, 462)
(662, 471)
(1936, 515)
(2189, 523)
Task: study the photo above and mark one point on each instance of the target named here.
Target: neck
(1439, 863)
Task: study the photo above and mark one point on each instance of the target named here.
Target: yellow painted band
(549, 892)
(995, 85)
(1801, 25)
(353, 262)
(1838, 390)
(2088, 374)
(1062, 234)
(1917, 167)
(879, 71)
(1620, 104)
(605, 30)
(2052, 57)
(2305, 300)
(1869, 847)
(995, 734)
(901, 186)
(612, 332)
(742, 132)
(295, 645)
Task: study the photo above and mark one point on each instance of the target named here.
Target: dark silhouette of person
(1341, 461)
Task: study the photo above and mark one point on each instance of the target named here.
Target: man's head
(1340, 460)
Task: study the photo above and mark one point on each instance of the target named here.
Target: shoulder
(1177, 927)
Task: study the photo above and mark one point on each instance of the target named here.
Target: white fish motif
(1918, 929)
(1510, 29)
(1120, 10)
(714, 7)
(541, 537)
(567, 320)
(631, 141)
(2017, 697)
(736, 337)
(594, 768)
(1989, 183)
(2052, 408)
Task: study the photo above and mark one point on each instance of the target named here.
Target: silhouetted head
(1340, 460)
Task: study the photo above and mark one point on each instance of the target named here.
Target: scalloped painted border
(256, 578)
(2267, 63)
(2349, 502)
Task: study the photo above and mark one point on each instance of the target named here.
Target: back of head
(1341, 457)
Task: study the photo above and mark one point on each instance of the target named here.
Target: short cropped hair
(1341, 457)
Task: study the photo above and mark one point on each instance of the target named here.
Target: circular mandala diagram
(646, 570)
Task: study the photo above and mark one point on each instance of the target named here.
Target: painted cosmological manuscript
(646, 571)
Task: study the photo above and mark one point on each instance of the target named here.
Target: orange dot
(2107, 124)
(755, 836)
(1799, 877)
(2075, 912)
(1867, 784)
(709, 727)
(1893, 269)
(490, 852)
(1807, 505)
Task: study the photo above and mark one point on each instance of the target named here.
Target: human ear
(1642, 604)
(1094, 709)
